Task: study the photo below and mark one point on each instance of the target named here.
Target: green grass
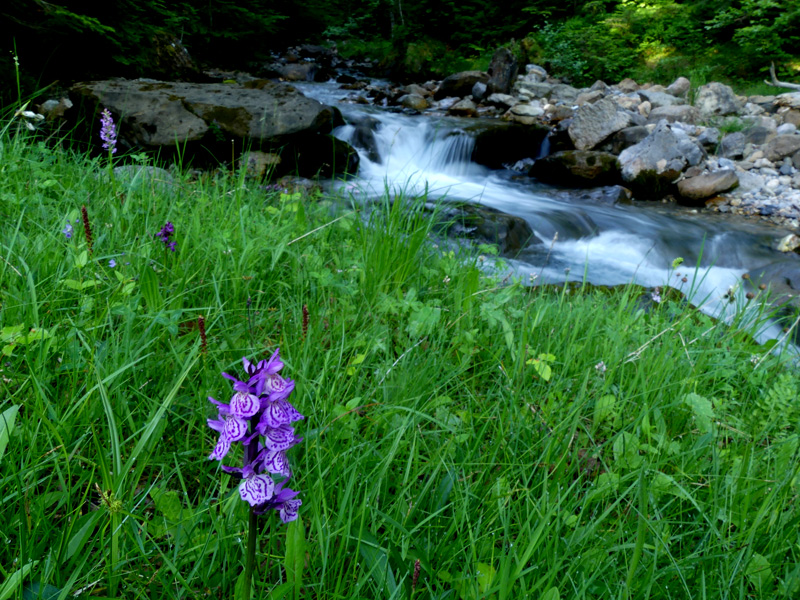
(451, 417)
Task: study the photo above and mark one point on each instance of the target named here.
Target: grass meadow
(513, 442)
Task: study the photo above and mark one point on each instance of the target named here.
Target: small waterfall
(453, 153)
(544, 148)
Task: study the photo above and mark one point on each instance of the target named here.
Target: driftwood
(776, 83)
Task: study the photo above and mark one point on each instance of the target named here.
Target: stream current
(575, 238)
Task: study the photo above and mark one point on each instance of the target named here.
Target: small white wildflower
(600, 367)
(754, 359)
(446, 280)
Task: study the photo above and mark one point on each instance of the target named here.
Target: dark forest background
(579, 40)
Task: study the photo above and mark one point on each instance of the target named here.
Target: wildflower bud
(746, 276)
(415, 578)
(750, 295)
(201, 327)
(87, 228)
(762, 286)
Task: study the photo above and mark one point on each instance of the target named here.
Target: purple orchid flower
(258, 408)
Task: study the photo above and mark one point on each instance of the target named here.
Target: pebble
(769, 171)
(786, 169)
(763, 162)
(786, 128)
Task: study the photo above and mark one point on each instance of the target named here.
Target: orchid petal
(244, 405)
(221, 449)
(279, 438)
(257, 489)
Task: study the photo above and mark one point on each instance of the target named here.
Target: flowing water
(576, 238)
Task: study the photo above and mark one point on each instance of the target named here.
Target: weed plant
(517, 442)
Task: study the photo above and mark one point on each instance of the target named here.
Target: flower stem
(250, 560)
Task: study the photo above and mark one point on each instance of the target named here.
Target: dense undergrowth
(518, 442)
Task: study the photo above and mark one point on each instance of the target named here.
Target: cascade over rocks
(156, 114)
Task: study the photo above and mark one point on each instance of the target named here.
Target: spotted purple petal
(291, 412)
(279, 438)
(221, 449)
(235, 428)
(275, 462)
(274, 415)
(244, 405)
(277, 387)
(257, 489)
(288, 512)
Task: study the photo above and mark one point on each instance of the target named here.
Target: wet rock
(464, 108)
(526, 114)
(413, 101)
(502, 71)
(460, 84)
(485, 225)
(709, 137)
(503, 101)
(533, 90)
(564, 93)
(479, 91)
(707, 185)
(593, 123)
(788, 243)
(577, 168)
(613, 194)
(498, 143)
(783, 283)
(758, 135)
(364, 138)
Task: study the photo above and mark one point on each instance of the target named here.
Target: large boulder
(653, 165)
(577, 168)
(716, 100)
(460, 84)
(707, 185)
(593, 123)
(659, 99)
(502, 72)
(196, 117)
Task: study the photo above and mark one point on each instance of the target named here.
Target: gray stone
(527, 114)
(537, 90)
(782, 145)
(627, 85)
(502, 71)
(413, 88)
(413, 101)
(589, 97)
(786, 128)
(680, 87)
(501, 100)
(709, 137)
(786, 169)
(708, 185)
(625, 138)
(564, 93)
(479, 91)
(535, 71)
(732, 145)
(155, 113)
(465, 108)
(715, 100)
(678, 113)
(758, 135)
(659, 99)
(653, 165)
(460, 84)
(595, 122)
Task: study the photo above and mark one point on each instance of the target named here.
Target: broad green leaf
(12, 583)
(626, 451)
(604, 409)
(82, 259)
(295, 554)
(149, 284)
(484, 575)
(7, 419)
(759, 572)
(551, 594)
(702, 410)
